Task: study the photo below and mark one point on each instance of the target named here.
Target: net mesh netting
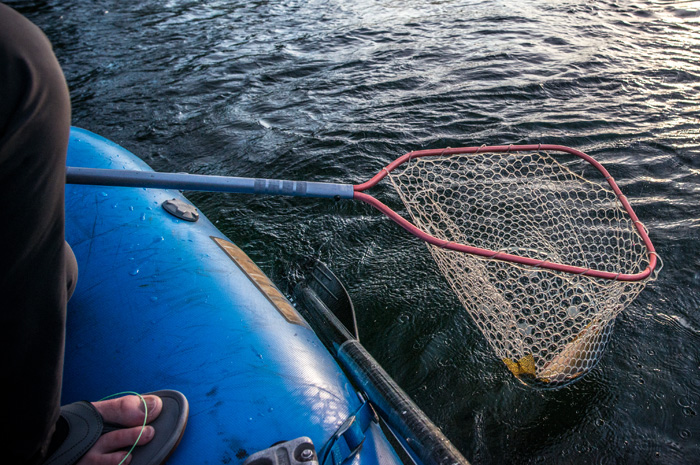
(548, 327)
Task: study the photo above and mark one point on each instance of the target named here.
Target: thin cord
(145, 417)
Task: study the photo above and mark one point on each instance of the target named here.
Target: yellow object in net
(550, 327)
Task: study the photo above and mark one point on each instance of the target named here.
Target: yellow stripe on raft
(261, 281)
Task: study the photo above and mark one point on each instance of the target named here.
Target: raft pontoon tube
(164, 299)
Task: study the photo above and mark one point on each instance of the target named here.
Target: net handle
(184, 181)
(408, 226)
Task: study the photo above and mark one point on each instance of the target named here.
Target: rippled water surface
(334, 90)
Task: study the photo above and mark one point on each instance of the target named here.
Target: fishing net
(548, 326)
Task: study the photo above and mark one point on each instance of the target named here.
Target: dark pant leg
(34, 127)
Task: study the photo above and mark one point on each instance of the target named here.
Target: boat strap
(347, 441)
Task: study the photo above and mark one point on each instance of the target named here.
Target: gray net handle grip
(199, 182)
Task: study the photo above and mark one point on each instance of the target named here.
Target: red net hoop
(538, 242)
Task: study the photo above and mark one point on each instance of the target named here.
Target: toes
(154, 404)
(111, 448)
(114, 458)
(123, 438)
(129, 410)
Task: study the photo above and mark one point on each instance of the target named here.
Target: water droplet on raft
(154, 298)
(135, 272)
(115, 205)
(104, 194)
(131, 208)
(143, 216)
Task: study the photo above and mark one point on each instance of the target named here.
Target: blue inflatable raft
(163, 302)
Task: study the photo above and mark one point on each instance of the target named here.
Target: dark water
(333, 90)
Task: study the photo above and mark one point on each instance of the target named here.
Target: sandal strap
(85, 426)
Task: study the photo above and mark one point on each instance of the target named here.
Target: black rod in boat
(406, 420)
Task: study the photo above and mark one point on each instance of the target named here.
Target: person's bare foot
(125, 411)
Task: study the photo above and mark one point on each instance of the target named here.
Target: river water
(333, 90)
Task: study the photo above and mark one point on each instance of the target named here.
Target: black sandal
(84, 426)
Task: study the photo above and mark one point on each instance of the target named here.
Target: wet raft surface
(160, 303)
